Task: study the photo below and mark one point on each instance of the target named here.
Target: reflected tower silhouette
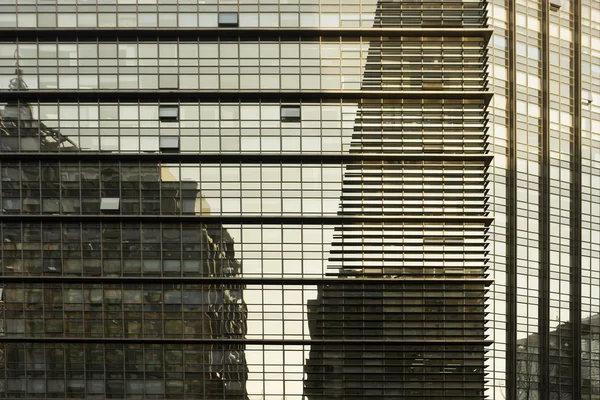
(404, 316)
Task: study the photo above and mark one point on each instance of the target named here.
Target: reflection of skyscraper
(262, 97)
(406, 317)
(110, 292)
(560, 370)
(590, 356)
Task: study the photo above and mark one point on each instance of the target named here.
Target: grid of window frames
(528, 23)
(78, 189)
(499, 118)
(561, 43)
(529, 130)
(590, 126)
(328, 64)
(372, 251)
(144, 371)
(176, 249)
(250, 14)
(561, 157)
(324, 127)
(105, 249)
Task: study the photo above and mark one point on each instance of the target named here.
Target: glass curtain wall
(197, 205)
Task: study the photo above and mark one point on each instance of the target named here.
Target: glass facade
(273, 199)
(542, 58)
(85, 325)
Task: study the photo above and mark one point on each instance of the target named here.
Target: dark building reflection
(406, 317)
(561, 362)
(79, 279)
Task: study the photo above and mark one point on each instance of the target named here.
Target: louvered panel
(435, 64)
(450, 371)
(431, 13)
(400, 249)
(451, 256)
(409, 189)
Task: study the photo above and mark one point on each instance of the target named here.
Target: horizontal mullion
(245, 34)
(439, 76)
(362, 211)
(411, 172)
(227, 158)
(378, 147)
(409, 129)
(432, 255)
(253, 219)
(406, 241)
(424, 115)
(423, 140)
(140, 341)
(409, 249)
(419, 130)
(405, 169)
(391, 201)
(413, 205)
(438, 187)
(418, 141)
(407, 311)
(428, 121)
(407, 200)
(67, 279)
(429, 182)
(416, 193)
(411, 147)
(462, 167)
(371, 148)
(183, 96)
(412, 232)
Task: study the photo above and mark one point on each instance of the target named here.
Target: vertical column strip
(544, 215)
(576, 196)
(511, 195)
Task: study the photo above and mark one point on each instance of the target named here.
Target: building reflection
(561, 362)
(405, 316)
(108, 308)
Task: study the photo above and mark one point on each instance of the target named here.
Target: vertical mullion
(544, 215)
(576, 200)
(511, 195)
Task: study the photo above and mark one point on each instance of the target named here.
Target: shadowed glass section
(124, 315)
